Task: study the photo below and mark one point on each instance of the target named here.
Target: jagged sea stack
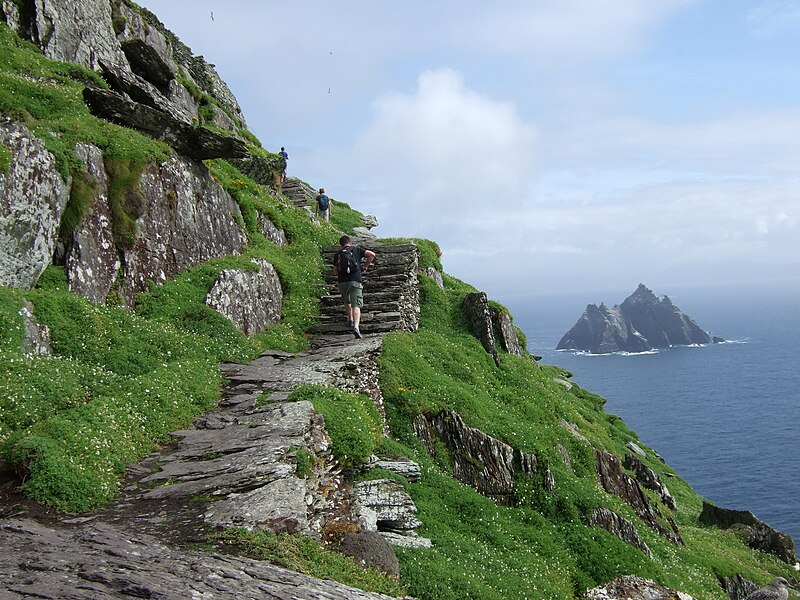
(642, 322)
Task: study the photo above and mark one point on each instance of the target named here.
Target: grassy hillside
(119, 381)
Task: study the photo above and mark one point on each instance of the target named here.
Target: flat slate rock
(101, 561)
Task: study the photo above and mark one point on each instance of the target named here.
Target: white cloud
(774, 17)
(571, 30)
(559, 144)
(445, 150)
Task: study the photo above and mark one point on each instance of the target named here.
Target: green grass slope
(119, 381)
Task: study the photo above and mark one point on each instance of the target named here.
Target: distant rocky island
(641, 323)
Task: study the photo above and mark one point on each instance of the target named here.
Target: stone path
(101, 561)
(236, 467)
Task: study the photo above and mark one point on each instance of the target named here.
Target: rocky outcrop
(642, 322)
(92, 261)
(251, 300)
(103, 561)
(133, 50)
(391, 293)
(489, 324)
(59, 28)
(187, 219)
(737, 587)
(436, 275)
(614, 480)
(371, 549)
(479, 460)
(476, 308)
(506, 333)
(195, 142)
(634, 588)
(619, 527)
(400, 465)
(650, 480)
(271, 231)
(759, 535)
(32, 200)
(264, 171)
(36, 340)
(384, 505)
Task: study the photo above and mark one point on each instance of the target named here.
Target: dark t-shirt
(340, 262)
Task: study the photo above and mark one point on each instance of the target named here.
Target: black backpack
(348, 263)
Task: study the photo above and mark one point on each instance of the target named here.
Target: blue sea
(725, 416)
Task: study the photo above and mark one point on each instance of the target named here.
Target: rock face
(634, 588)
(195, 142)
(476, 307)
(183, 216)
(102, 562)
(759, 535)
(648, 478)
(506, 333)
(479, 460)
(642, 322)
(489, 324)
(737, 587)
(32, 200)
(616, 481)
(188, 219)
(372, 550)
(36, 340)
(618, 526)
(251, 300)
(133, 50)
(92, 261)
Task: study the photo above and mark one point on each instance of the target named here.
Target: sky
(558, 145)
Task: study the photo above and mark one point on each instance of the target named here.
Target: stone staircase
(391, 292)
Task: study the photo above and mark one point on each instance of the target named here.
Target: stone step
(372, 301)
(366, 317)
(370, 281)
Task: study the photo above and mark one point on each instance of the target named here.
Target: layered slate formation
(641, 323)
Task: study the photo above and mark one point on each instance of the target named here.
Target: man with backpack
(324, 205)
(347, 268)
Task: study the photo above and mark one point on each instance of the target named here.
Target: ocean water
(725, 416)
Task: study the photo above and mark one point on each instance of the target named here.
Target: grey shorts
(352, 293)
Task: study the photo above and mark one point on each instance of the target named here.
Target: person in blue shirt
(285, 156)
(324, 205)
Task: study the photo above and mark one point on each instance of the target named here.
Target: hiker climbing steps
(391, 292)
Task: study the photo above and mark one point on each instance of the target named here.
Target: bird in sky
(777, 590)
(212, 15)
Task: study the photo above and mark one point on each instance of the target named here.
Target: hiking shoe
(357, 333)
(350, 323)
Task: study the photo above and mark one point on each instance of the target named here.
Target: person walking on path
(324, 205)
(285, 156)
(347, 268)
